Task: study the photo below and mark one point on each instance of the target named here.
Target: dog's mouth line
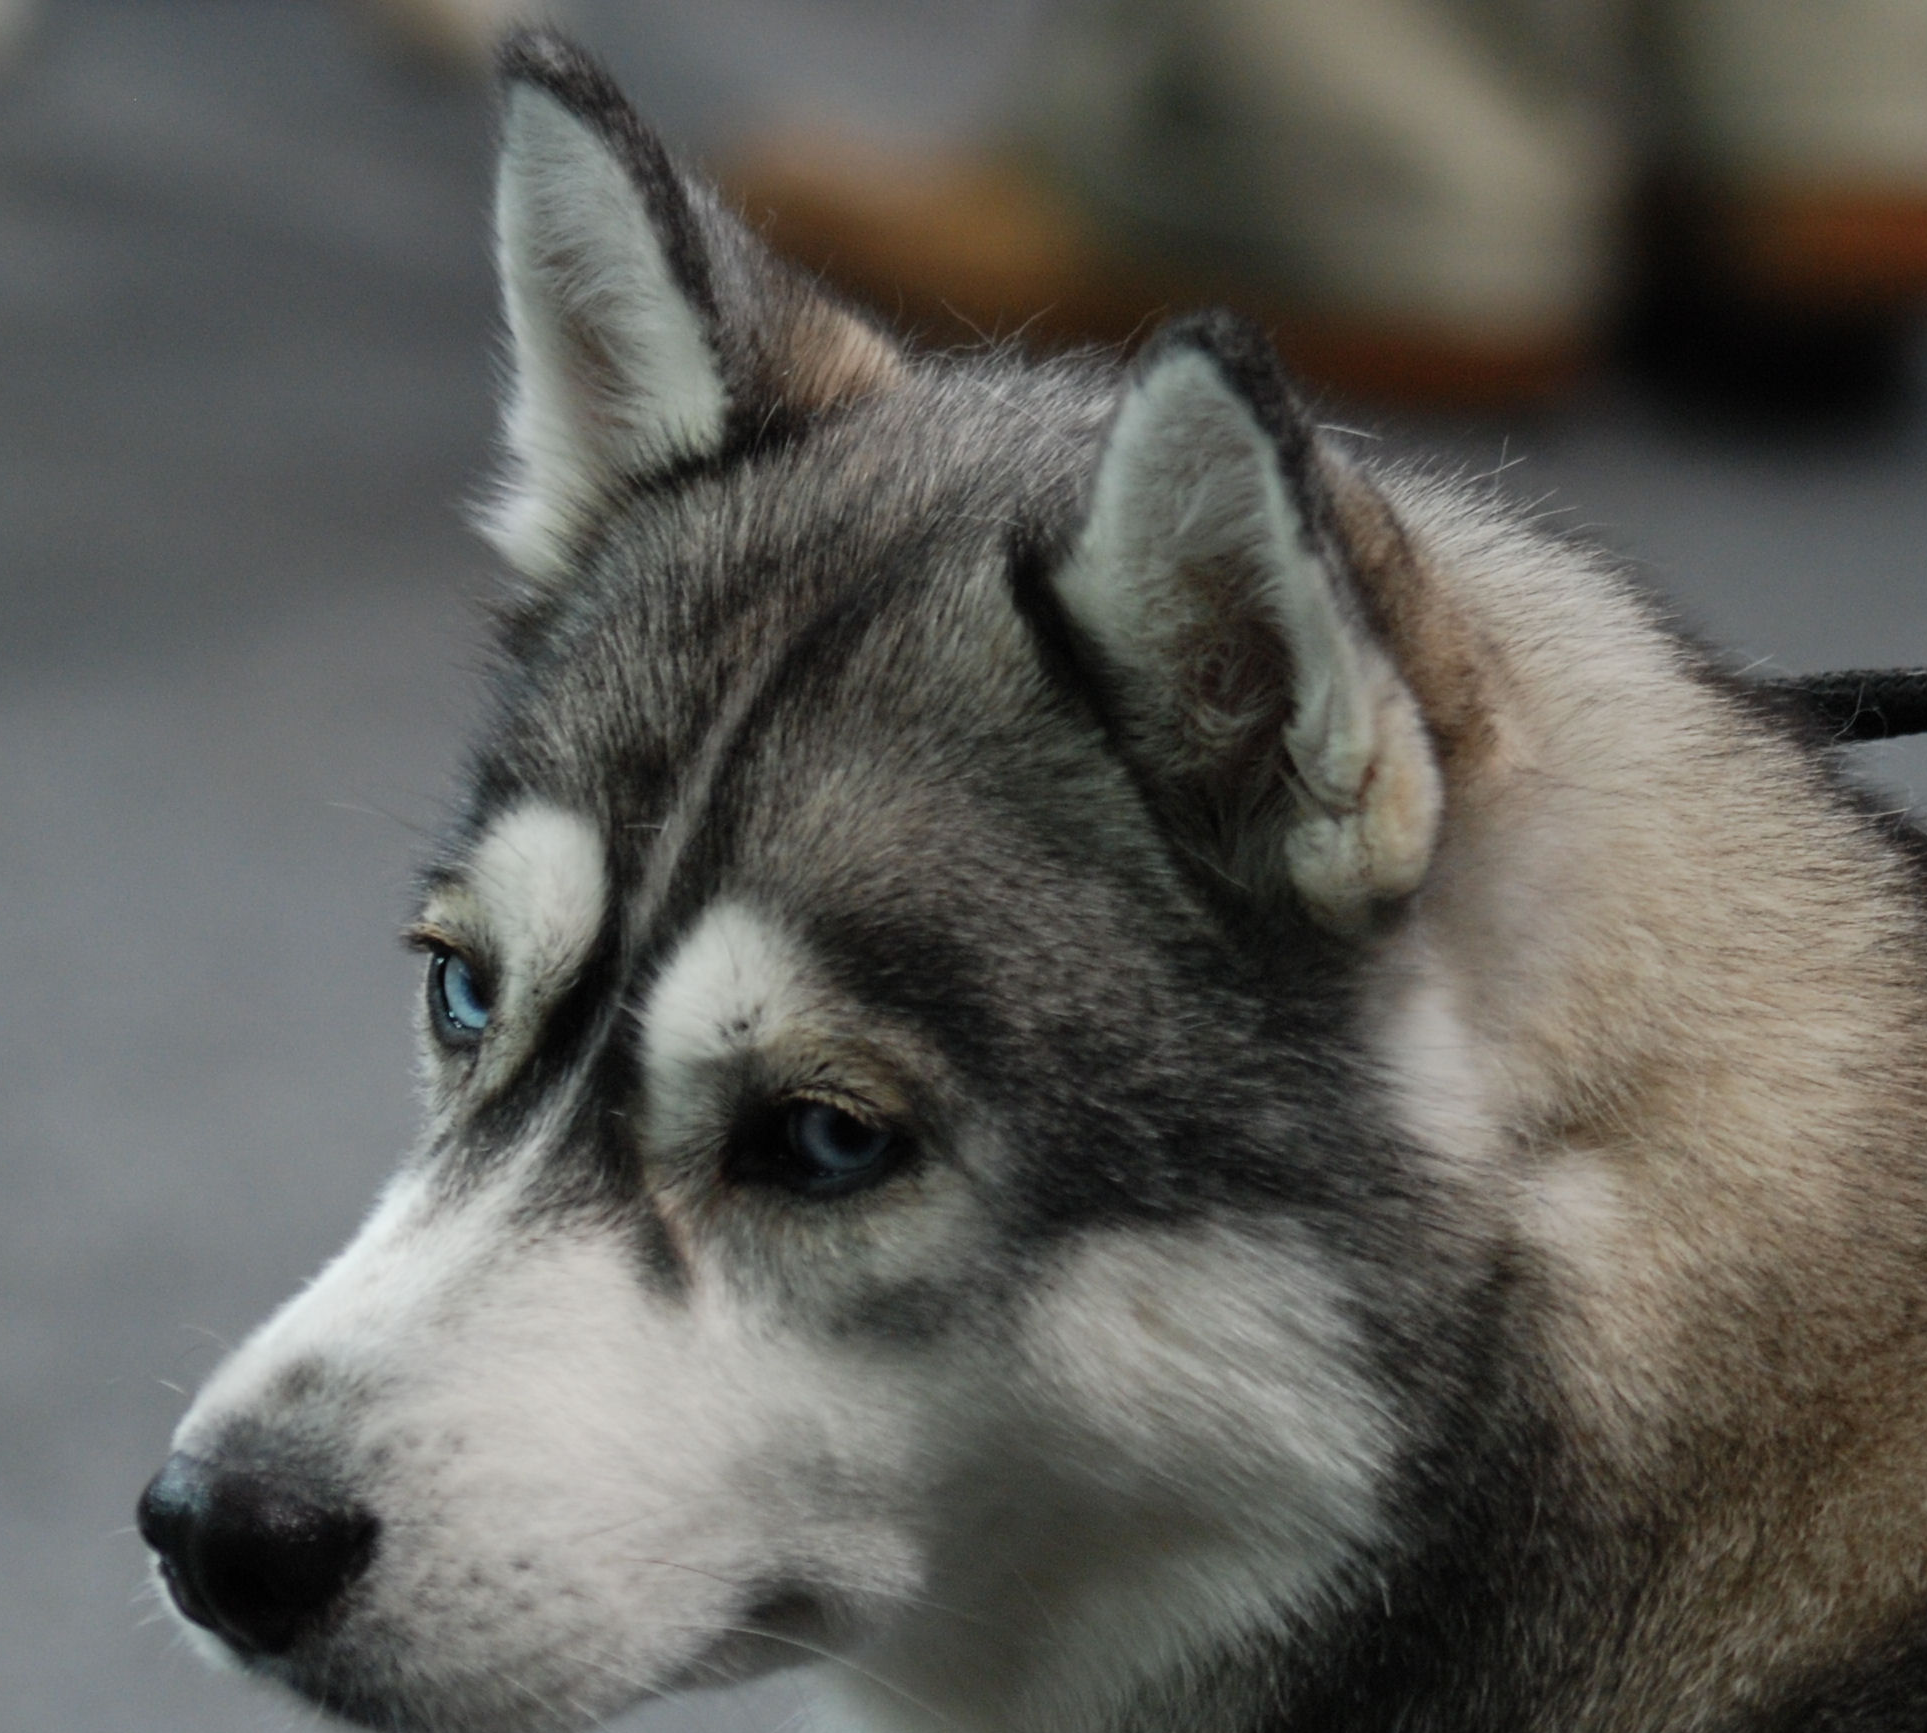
(789, 1625)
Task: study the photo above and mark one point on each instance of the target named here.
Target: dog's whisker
(899, 1597)
(822, 1654)
(366, 809)
(214, 1336)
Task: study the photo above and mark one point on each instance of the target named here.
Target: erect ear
(647, 327)
(1213, 581)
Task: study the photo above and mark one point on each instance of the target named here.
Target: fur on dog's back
(1100, 1064)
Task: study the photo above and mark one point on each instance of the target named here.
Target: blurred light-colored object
(1428, 201)
(457, 34)
(16, 21)
(1419, 207)
(1380, 161)
(991, 245)
(1799, 130)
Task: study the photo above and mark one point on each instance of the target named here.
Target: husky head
(911, 1177)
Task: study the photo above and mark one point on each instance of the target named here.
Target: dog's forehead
(810, 787)
(805, 685)
(846, 590)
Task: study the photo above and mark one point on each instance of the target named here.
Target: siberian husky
(1098, 1064)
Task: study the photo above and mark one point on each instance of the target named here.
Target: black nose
(250, 1556)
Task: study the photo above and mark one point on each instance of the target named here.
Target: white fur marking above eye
(539, 873)
(732, 981)
(614, 374)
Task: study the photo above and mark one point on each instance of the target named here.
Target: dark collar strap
(1861, 703)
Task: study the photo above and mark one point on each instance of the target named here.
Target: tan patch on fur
(834, 356)
(1433, 641)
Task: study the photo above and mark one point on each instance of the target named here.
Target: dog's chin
(502, 1701)
(210, 1650)
(785, 1628)
(368, 1685)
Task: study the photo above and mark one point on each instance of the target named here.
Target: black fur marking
(902, 1313)
(809, 660)
(1153, 1142)
(599, 1167)
(749, 431)
(570, 1026)
(1070, 660)
(1883, 1691)
(579, 1014)
(1251, 369)
(556, 66)
(1430, 1638)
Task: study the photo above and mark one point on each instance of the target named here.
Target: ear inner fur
(615, 371)
(1212, 575)
(649, 330)
(580, 86)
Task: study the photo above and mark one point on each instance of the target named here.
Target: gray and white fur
(1097, 1065)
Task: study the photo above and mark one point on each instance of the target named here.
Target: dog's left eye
(458, 1004)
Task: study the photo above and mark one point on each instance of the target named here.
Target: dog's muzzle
(255, 1558)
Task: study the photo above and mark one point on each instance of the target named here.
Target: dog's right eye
(458, 1003)
(818, 1150)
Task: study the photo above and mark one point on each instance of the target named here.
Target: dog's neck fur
(1701, 964)
(1652, 1127)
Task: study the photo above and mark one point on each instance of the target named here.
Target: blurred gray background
(246, 344)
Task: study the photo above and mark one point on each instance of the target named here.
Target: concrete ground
(245, 352)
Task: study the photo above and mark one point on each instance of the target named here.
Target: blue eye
(835, 1145)
(815, 1149)
(823, 1149)
(457, 1004)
